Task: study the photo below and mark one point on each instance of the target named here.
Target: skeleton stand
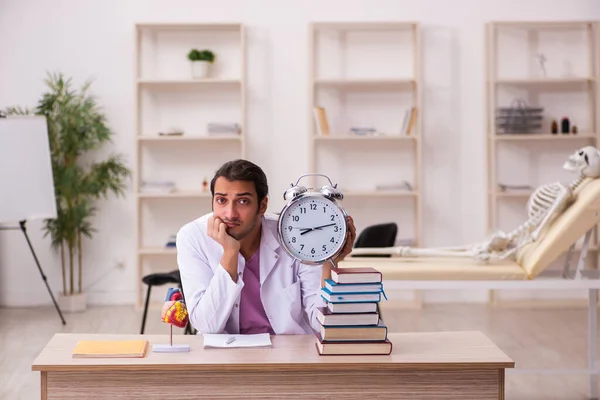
(592, 314)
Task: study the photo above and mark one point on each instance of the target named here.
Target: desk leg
(501, 383)
(44, 385)
(593, 341)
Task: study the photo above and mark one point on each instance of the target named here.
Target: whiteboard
(26, 183)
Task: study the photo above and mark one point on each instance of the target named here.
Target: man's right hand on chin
(217, 230)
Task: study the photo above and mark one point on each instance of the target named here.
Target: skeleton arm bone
(500, 245)
(405, 251)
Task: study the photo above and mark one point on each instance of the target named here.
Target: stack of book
(350, 321)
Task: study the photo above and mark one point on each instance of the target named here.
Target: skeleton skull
(586, 161)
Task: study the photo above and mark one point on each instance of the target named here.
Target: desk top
(419, 350)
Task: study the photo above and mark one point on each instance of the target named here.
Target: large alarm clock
(312, 225)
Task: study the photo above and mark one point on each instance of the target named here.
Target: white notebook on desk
(219, 340)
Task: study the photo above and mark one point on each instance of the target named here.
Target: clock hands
(306, 230)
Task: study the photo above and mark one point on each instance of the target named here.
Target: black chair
(160, 279)
(380, 235)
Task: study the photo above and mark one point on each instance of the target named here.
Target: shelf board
(186, 26)
(364, 26)
(542, 24)
(365, 137)
(542, 136)
(190, 138)
(379, 193)
(365, 82)
(157, 251)
(543, 81)
(176, 195)
(162, 83)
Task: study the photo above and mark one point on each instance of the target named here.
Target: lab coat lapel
(268, 251)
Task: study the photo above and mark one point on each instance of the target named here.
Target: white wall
(95, 39)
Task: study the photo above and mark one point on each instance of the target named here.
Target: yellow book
(110, 348)
(321, 121)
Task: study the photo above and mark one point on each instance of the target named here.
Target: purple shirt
(253, 318)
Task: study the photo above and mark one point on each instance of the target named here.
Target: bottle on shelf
(565, 125)
(554, 127)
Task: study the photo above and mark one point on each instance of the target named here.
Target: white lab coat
(290, 290)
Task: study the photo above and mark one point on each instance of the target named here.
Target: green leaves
(201, 55)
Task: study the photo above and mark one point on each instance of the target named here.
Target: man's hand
(350, 238)
(348, 245)
(217, 230)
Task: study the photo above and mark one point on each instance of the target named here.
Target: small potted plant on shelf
(200, 59)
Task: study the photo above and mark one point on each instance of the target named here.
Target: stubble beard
(242, 235)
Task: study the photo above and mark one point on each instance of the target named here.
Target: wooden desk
(448, 365)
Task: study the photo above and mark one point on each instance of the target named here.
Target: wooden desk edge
(270, 367)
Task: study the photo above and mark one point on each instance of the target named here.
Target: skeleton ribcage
(542, 199)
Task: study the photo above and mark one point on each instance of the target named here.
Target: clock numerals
(312, 229)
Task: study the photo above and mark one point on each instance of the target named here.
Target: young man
(236, 277)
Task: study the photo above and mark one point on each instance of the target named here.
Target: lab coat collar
(269, 246)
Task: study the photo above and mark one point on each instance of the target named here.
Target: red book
(356, 275)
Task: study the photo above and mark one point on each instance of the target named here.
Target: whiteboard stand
(26, 174)
(24, 230)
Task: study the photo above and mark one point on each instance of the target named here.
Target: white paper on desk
(218, 340)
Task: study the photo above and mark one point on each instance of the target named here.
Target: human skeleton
(545, 204)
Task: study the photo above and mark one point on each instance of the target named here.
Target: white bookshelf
(568, 87)
(366, 74)
(169, 98)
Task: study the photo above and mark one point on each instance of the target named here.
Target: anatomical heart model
(174, 312)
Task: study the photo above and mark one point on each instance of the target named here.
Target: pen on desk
(230, 340)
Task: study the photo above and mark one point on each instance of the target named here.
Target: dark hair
(243, 170)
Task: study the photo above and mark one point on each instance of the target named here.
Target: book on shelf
(349, 323)
(321, 121)
(410, 120)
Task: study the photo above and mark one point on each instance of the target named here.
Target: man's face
(236, 204)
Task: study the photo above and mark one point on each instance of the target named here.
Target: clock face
(313, 229)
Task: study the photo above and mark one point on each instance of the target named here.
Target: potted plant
(200, 59)
(76, 128)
